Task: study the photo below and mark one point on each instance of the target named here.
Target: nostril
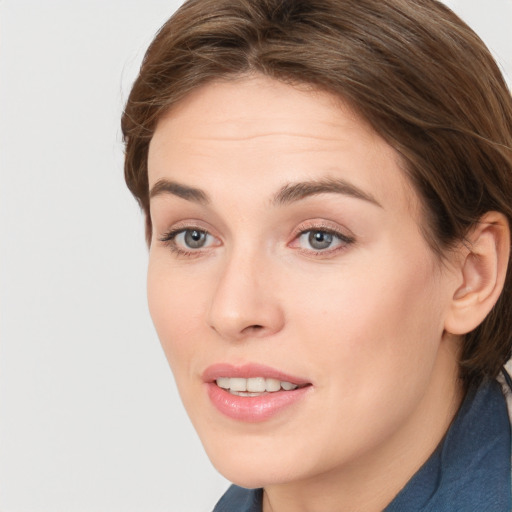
(253, 328)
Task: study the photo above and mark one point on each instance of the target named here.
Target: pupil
(320, 239)
(195, 238)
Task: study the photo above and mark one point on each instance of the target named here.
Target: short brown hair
(421, 77)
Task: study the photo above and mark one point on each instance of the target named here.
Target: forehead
(258, 106)
(263, 131)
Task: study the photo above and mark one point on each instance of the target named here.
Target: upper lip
(247, 371)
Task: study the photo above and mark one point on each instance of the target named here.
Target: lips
(248, 371)
(253, 392)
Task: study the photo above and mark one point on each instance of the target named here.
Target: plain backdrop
(89, 417)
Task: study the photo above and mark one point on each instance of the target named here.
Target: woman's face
(300, 308)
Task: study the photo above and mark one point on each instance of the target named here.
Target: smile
(253, 393)
(254, 386)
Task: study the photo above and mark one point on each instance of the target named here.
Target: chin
(244, 474)
(248, 464)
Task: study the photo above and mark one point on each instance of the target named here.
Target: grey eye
(322, 240)
(194, 239)
(319, 240)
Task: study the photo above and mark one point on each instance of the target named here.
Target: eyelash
(169, 239)
(344, 239)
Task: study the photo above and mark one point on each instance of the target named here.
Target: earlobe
(483, 267)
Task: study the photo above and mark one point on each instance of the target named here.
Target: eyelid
(183, 225)
(346, 237)
(169, 236)
(324, 225)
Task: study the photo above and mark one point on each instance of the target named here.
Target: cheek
(364, 337)
(382, 323)
(175, 308)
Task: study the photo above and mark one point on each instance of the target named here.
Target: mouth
(255, 386)
(253, 393)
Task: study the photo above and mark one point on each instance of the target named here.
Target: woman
(327, 193)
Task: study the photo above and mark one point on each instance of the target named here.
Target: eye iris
(320, 239)
(195, 239)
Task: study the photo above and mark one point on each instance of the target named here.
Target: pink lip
(257, 408)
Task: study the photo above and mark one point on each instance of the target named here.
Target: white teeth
(223, 382)
(253, 386)
(287, 386)
(238, 384)
(256, 385)
(273, 385)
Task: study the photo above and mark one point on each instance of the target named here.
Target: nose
(245, 301)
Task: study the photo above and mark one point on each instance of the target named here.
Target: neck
(370, 483)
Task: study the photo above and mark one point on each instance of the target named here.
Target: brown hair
(412, 68)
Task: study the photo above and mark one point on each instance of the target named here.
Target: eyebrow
(165, 186)
(289, 193)
(292, 192)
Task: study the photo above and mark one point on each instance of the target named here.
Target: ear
(482, 268)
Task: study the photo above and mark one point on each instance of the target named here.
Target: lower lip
(253, 408)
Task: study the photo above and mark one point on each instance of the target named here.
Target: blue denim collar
(470, 469)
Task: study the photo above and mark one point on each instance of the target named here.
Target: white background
(89, 417)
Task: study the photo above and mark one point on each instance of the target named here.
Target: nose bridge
(244, 302)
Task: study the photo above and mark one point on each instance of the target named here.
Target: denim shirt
(468, 472)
